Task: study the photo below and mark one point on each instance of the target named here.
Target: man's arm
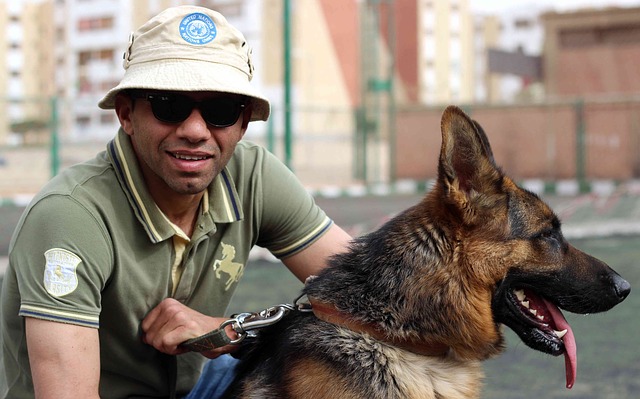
(171, 322)
(314, 258)
(64, 358)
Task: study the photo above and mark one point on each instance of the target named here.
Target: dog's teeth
(519, 294)
(540, 317)
(533, 312)
(525, 304)
(561, 334)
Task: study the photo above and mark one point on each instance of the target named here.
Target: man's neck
(181, 210)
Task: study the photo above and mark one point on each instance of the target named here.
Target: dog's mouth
(540, 325)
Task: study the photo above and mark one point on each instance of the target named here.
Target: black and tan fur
(440, 274)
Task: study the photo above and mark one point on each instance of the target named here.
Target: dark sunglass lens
(220, 112)
(171, 108)
(175, 108)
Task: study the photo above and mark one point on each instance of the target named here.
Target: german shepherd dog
(411, 309)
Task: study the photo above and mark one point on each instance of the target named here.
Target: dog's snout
(621, 287)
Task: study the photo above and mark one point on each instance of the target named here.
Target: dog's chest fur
(378, 370)
(431, 377)
(414, 376)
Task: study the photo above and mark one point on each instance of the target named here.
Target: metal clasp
(244, 323)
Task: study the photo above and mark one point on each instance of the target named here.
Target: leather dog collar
(329, 313)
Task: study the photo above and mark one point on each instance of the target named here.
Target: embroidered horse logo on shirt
(228, 266)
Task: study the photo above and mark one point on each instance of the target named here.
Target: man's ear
(124, 108)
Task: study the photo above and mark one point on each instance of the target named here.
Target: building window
(106, 55)
(85, 85)
(454, 22)
(83, 121)
(522, 23)
(107, 118)
(92, 24)
(85, 57)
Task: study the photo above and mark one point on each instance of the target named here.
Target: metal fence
(584, 139)
(39, 144)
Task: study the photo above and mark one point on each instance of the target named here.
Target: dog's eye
(548, 235)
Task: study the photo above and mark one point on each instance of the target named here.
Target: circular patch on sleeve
(198, 28)
(60, 276)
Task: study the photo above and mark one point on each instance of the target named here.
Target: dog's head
(512, 243)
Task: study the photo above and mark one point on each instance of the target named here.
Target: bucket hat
(189, 48)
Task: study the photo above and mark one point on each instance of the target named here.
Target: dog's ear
(466, 159)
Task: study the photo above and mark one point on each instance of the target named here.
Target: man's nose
(194, 128)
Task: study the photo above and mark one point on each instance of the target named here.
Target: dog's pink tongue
(570, 349)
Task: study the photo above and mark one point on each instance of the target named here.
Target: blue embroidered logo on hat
(198, 28)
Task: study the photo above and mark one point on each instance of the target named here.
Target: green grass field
(608, 343)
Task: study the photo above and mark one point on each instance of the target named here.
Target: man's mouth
(190, 157)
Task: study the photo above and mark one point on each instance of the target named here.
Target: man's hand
(171, 323)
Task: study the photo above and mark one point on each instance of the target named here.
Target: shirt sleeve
(290, 218)
(62, 256)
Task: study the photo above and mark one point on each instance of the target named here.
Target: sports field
(608, 343)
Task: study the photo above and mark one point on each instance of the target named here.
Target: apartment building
(445, 49)
(26, 83)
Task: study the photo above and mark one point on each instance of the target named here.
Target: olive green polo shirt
(93, 249)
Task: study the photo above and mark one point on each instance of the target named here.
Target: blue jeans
(216, 376)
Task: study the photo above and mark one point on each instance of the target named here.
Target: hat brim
(189, 75)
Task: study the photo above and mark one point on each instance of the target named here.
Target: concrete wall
(534, 141)
(592, 52)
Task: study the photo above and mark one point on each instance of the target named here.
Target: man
(119, 260)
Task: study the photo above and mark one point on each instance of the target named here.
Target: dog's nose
(621, 286)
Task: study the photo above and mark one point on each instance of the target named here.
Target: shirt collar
(223, 205)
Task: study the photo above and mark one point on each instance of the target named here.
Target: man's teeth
(189, 157)
(520, 295)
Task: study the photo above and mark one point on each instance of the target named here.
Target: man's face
(179, 157)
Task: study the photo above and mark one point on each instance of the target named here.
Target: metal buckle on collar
(302, 307)
(244, 324)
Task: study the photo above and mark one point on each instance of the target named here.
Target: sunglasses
(176, 108)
